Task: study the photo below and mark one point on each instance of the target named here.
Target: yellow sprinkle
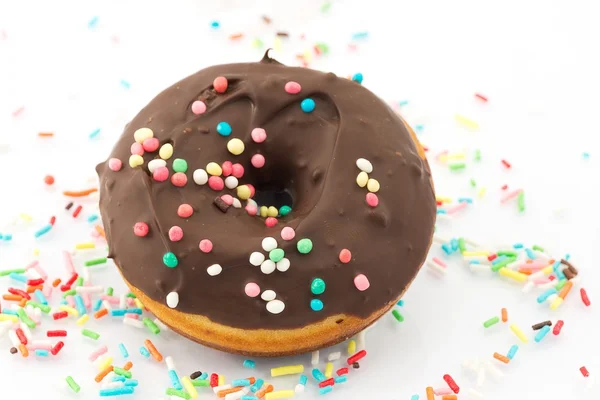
(509, 273)
(328, 370)
(166, 151)
(138, 303)
(373, 185)
(277, 44)
(107, 361)
(475, 253)
(362, 179)
(272, 211)
(36, 252)
(466, 122)
(243, 192)
(281, 394)
(70, 310)
(135, 160)
(26, 217)
(351, 347)
(235, 146)
(142, 134)
(221, 380)
(263, 211)
(9, 317)
(481, 192)
(88, 245)
(443, 199)
(517, 331)
(556, 303)
(287, 370)
(84, 318)
(214, 169)
(457, 156)
(308, 56)
(548, 270)
(189, 387)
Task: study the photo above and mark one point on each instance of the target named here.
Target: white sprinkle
(214, 270)
(231, 182)
(364, 165)
(26, 331)
(112, 385)
(481, 259)
(170, 363)
(314, 358)
(283, 265)
(123, 302)
(275, 306)
(471, 365)
(267, 267)
(479, 267)
(361, 340)
(474, 394)
(12, 335)
(133, 322)
(269, 244)
(299, 388)
(89, 289)
(440, 240)
(257, 258)
(152, 165)
(107, 305)
(3, 330)
(528, 286)
(200, 177)
(591, 381)
(480, 377)
(268, 295)
(237, 203)
(494, 371)
(173, 299)
(217, 389)
(435, 267)
(237, 395)
(334, 356)
(547, 285)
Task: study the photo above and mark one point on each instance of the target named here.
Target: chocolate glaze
(311, 156)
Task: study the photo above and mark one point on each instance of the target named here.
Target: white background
(537, 62)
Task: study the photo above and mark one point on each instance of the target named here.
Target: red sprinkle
(356, 357)
(481, 97)
(227, 168)
(67, 286)
(220, 84)
(179, 179)
(451, 383)
(77, 211)
(492, 257)
(271, 222)
(342, 371)
(49, 180)
(584, 372)
(52, 220)
(558, 327)
(19, 292)
(504, 187)
(506, 164)
(21, 335)
(584, 297)
(56, 333)
(35, 282)
(57, 347)
(328, 382)
(214, 380)
(60, 315)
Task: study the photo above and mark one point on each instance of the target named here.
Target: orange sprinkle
(12, 297)
(449, 397)
(504, 315)
(103, 373)
(31, 289)
(46, 134)
(429, 392)
(525, 271)
(502, 358)
(56, 282)
(81, 193)
(100, 313)
(236, 36)
(252, 380)
(155, 353)
(565, 290)
(128, 366)
(100, 230)
(263, 391)
(23, 302)
(225, 392)
(24, 351)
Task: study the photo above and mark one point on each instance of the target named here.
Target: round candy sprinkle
(166, 151)
(271, 222)
(115, 164)
(252, 190)
(237, 170)
(223, 128)
(141, 229)
(227, 199)
(49, 180)
(173, 299)
(259, 135)
(357, 77)
(227, 168)
(251, 209)
(269, 244)
(362, 179)
(175, 234)
(268, 295)
(179, 179)
(373, 185)
(137, 148)
(214, 270)
(200, 177)
(152, 165)
(361, 282)
(267, 267)
(142, 134)
(284, 210)
(316, 305)
(275, 306)
(252, 289)
(205, 246)
(307, 105)
(345, 256)
(364, 165)
(170, 260)
(198, 107)
(216, 183)
(214, 169)
(231, 182)
(135, 160)
(237, 203)
(220, 84)
(185, 210)
(276, 255)
(317, 286)
(304, 246)
(283, 265)
(257, 258)
(235, 146)
(180, 165)
(258, 161)
(293, 87)
(372, 199)
(161, 174)
(288, 233)
(151, 145)
(272, 211)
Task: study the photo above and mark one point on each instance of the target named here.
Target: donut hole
(274, 195)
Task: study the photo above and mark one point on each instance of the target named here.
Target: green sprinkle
(538, 248)
(276, 255)
(477, 155)
(457, 166)
(178, 393)
(560, 284)
(170, 260)
(503, 263)
(132, 295)
(325, 6)
(521, 201)
(257, 43)
(122, 372)
(284, 210)
(200, 382)
(73, 385)
(473, 183)
(96, 261)
(109, 291)
(490, 322)
(71, 292)
(507, 253)
(461, 244)
(45, 308)
(323, 47)
(152, 327)
(398, 316)
(317, 286)
(90, 334)
(11, 271)
(304, 246)
(79, 281)
(180, 165)
(25, 319)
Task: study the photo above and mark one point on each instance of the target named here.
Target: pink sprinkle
(141, 229)
(252, 289)
(442, 391)
(198, 107)
(18, 111)
(442, 154)
(237, 170)
(439, 262)
(115, 164)
(456, 208)
(94, 356)
(258, 161)
(110, 299)
(361, 282)
(251, 209)
(132, 316)
(227, 199)
(216, 183)
(161, 174)
(511, 195)
(271, 222)
(259, 135)
(227, 168)
(71, 301)
(185, 211)
(206, 246)
(346, 256)
(288, 233)
(293, 87)
(137, 148)
(175, 234)
(151, 144)
(179, 179)
(372, 199)
(252, 190)
(220, 84)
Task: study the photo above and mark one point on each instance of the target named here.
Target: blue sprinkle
(0, 236)
(303, 380)
(474, 262)
(249, 364)
(454, 244)
(203, 376)
(400, 303)
(447, 249)
(93, 22)
(240, 382)
(465, 200)
(542, 297)
(318, 375)
(530, 254)
(18, 277)
(94, 133)
(414, 397)
(224, 129)
(43, 230)
(79, 304)
(316, 305)
(567, 256)
(125, 84)
(360, 35)
(116, 391)
(419, 127)
(499, 260)
(97, 305)
(586, 155)
(63, 302)
(9, 312)
(248, 397)
(131, 382)
(92, 218)
(215, 24)
(325, 390)
(144, 352)
(512, 351)
(560, 275)
(41, 353)
(556, 265)
(518, 245)
(357, 77)
(307, 105)
(340, 379)
(122, 312)
(40, 296)
(8, 237)
(541, 334)
(175, 380)
(403, 103)
(119, 378)
(257, 385)
(123, 350)
(440, 211)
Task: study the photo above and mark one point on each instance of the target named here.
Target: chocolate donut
(267, 210)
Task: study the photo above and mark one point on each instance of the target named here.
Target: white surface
(537, 62)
